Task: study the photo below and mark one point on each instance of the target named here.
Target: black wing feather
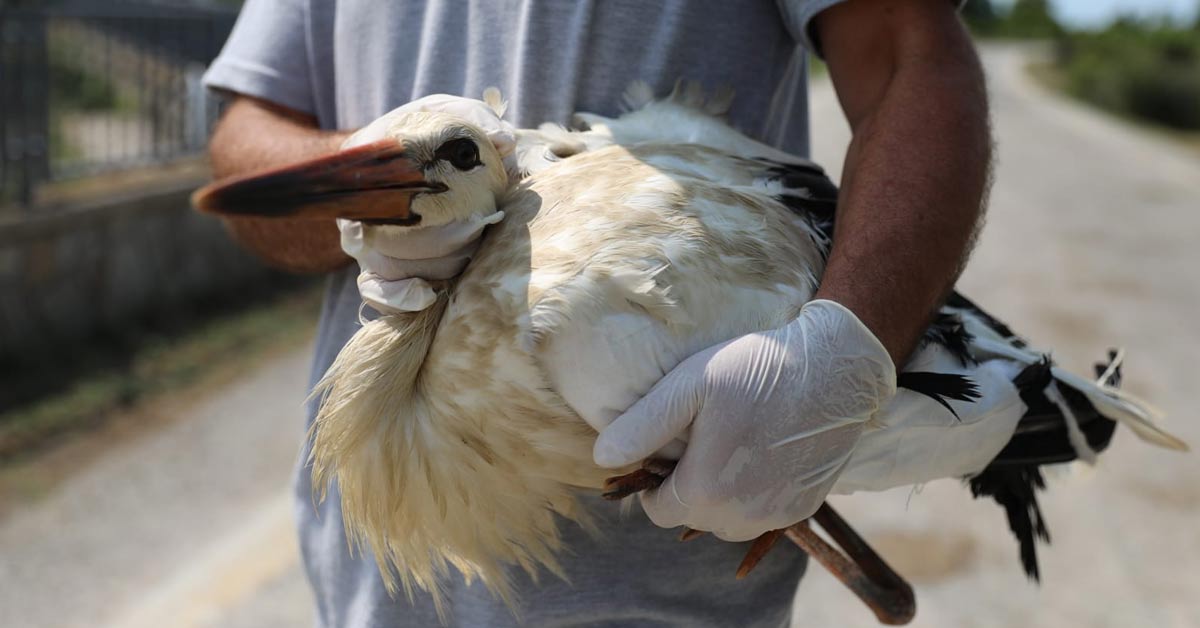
(1015, 489)
(940, 387)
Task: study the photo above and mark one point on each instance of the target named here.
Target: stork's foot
(652, 474)
(862, 570)
(757, 551)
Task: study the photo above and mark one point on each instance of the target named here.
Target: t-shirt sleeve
(267, 56)
(799, 14)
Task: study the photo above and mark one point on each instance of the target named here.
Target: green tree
(1032, 19)
(981, 16)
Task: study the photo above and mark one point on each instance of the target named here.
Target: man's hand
(773, 418)
(396, 264)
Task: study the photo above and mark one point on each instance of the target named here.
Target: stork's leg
(859, 568)
(758, 549)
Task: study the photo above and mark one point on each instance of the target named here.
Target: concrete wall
(101, 267)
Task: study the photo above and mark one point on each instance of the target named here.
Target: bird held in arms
(458, 432)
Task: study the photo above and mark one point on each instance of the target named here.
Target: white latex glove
(773, 418)
(396, 263)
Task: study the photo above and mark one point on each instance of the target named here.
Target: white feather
(1118, 405)
(458, 434)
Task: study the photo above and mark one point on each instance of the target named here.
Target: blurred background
(151, 373)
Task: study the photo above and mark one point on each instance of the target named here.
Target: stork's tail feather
(1068, 418)
(1117, 405)
(1102, 395)
(1042, 437)
(1015, 489)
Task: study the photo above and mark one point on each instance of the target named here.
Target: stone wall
(102, 267)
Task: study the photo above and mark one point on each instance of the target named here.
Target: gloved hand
(396, 262)
(773, 418)
(477, 112)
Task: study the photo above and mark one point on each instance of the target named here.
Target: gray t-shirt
(349, 61)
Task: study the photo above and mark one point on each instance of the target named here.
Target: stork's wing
(991, 339)
(1028, 413)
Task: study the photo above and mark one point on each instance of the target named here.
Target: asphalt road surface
(187, 525)
(1091, 242)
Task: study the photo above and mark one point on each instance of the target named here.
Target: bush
(1031, 19)
(1025, 19)
(73, 88)
(1170, 96)
(1151, 73)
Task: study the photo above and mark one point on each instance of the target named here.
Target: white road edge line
(224, 573)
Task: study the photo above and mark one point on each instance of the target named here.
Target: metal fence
(89, 88)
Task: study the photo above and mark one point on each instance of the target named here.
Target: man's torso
(549, 58)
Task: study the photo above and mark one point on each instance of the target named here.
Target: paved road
(1090, 242)
(188, 525)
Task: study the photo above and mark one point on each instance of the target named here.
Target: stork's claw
(651, 475)
(761, 546)
(859, 568)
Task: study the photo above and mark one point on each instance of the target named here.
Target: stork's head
(410, 169)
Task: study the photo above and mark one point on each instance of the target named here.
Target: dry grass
(210, 352)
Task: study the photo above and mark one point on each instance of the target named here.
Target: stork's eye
(462, 153)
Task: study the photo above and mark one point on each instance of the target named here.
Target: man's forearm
(253, 136)
(915, 176)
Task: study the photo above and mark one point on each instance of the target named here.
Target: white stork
(457, 433)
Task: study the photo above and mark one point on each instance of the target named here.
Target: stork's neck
(419, 467)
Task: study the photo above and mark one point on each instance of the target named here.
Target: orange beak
(375, 182)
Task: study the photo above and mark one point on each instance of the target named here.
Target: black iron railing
(88, 88)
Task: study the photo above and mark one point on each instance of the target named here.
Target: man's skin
(911, 85)
(253, 135)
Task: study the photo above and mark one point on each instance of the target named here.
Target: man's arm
(773, 417)
(253, 135)
(917, 168)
